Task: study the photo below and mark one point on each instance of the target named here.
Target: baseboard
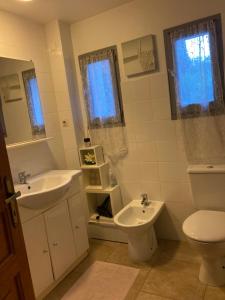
(109, 233)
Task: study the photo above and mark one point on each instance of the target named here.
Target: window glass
(36, 103)
(194, 70)
(100, 84)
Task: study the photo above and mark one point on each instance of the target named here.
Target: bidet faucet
(144, 200)
(23, 177)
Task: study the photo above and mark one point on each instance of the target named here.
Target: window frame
(191, 111)
(94, 124)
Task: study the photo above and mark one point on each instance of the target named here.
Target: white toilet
(137, 221)
(205, 229)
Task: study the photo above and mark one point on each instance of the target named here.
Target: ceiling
(43, 11)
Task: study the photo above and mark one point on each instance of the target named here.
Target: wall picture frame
(140, 56)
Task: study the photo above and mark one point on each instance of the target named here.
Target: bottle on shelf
(87, 142)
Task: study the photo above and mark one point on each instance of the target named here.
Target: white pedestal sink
(45, 189)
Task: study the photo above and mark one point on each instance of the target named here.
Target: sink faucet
(144, 200)
(23, 177)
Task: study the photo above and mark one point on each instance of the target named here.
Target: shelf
(27, 143)
(95, 189)
(86, 167)
(102, 220)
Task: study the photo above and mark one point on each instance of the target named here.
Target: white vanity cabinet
(38, 253)
(60, 237)
(78, 223)
(56, 239)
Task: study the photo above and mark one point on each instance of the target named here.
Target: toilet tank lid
(201, 169)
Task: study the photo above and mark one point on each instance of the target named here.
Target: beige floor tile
(52, 296)
(132, 294)
(179, 250)
(174, 279)
(101, 250)
(172, 273)
(64, 286)
(147, 296)
(214, 293)
(120, 256)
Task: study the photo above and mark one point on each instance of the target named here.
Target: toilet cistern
(144, 200)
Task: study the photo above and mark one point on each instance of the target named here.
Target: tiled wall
(22, 39)
(156, 162)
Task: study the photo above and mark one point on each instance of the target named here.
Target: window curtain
(106, 126)
(34, 104)
(201, 124)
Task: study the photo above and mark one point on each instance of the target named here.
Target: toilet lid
(205, 226)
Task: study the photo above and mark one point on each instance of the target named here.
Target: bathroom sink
(45, 189)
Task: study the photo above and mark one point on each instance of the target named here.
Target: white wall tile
(130, 190)
(173, 172)
(147, 151)
(136, 89)
(176, 191)
(169, 152)
(164, 130)
(149, 171)
(152, 188)
(145, 132)
(129, 171)
(159, 86)
(161, 109)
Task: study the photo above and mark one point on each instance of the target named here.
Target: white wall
(22, 39)
(156, 162)
(64, 81)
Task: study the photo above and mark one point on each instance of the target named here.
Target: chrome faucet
(23, 177)
(144, 200)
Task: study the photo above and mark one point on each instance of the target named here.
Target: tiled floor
(172, 274)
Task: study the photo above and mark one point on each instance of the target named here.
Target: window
(195, 66)
(101, 85)
(34, 102)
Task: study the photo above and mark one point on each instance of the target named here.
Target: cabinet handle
(45, 251)
(55, 244)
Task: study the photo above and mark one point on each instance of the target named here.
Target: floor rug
(103, 281)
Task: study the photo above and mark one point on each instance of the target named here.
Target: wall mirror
(21, 114)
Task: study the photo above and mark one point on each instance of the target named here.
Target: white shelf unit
(95, 154)
(96, 176)
(97, 188)
(97, 197)
(104, 227)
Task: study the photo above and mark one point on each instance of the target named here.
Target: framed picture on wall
(140, 56)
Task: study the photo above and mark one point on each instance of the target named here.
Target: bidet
(137, 222)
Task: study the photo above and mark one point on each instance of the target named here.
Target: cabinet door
(78, 223)
(38, 253)
(60, 237)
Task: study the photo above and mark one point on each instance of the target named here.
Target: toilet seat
(205, 226)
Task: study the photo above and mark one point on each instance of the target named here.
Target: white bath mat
(103, 281)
